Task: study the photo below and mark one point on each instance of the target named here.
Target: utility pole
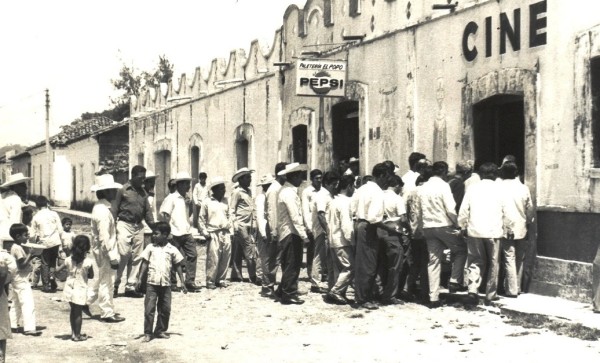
(48, 158)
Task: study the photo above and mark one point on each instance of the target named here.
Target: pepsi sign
(324, 78)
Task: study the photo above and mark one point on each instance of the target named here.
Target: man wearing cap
(261, 237)
(174, 210)
(130, 207)
(242, 211)
(272, 247)
(12, 201)
(215, 225)
(292, 233)
(104, 248)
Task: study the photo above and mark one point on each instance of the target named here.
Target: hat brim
(181, 179)
(15, 182)
(237, 176)
(212, 185)
(96, 188)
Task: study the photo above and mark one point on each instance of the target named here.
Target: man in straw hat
(215, 225)
(104, 248)
(292, 233)
(12, 201)
(242, 211)
(262, 239)
(130, 207)
(174, 210)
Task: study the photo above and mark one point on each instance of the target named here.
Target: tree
(132, 84)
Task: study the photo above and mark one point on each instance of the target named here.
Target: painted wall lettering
(507, 29)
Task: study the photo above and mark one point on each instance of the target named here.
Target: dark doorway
(241, 150)
(344, 131)
(300, 144)
(195, 161)
(162, 162)
(499, 130)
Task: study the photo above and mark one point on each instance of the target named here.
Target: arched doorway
(195, 163)
(162, 161)
(241, 153)
(499, 129)
(345, 130)
(300, 144)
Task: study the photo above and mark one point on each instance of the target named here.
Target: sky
(74, 49)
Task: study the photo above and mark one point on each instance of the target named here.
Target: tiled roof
(79, 129)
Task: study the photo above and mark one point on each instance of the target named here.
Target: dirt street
(236, 324)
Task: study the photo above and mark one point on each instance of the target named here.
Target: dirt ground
(236, 324)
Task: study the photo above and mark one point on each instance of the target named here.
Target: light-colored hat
(15, 179)
(105, 181)
(182, 176)
(266, 179)
(241, 172)
(216, 181)
(353, 160)
(150, 175)
(292, 168)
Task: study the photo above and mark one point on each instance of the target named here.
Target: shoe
(192, 287)
(223, 284)
(176, 289)
(335, 299)
(489, 302)
(116, 293)
(473, 298)
(454, 287)
(266, 292)
(48, 289)
(113, 319)
(291, 300)
(511, 296)
(147, 338)
(133, 293)
(53, 284)
(80, 338)
(211, 286)
(317, 290)
(407, 296)
(392, 301)
(435, 304)
(86, 311)
(162, 335)
(34, 333)
(368, 305)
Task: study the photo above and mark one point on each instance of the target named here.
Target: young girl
(75, 290)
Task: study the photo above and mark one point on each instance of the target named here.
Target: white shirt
(10, 211)
(369, 203)
(474, 178)
(261, 216)
(214, 216)
(307, 196)
(518, 207)
(339, 221)
(271, 206)
(104, 232)
(394, 206)
(199, 193)
(410, 181)
(47, 226)
(437, 204)
(174, 205)
(482, 210)
(320, 203)
(289, 213)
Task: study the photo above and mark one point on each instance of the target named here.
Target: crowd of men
(388, 238)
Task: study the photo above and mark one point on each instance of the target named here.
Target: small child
(22, 295)
(76, 288)
(67, 236)
(36, 261)
(157, 260)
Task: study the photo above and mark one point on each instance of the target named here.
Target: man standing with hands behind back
(129, 208)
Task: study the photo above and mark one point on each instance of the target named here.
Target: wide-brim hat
(266, 179)
(15, 179)
(241, 172)
(105, 181)
(150, 175)
(293, 168)
(182, 176)
(353, 160)
(216, 181)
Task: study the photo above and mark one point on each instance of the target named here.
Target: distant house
(17, 163)
(79, 151)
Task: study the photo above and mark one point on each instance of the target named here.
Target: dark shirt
(131, 205)
(457, 186)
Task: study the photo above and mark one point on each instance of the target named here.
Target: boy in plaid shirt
(157, 260)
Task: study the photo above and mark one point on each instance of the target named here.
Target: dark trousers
(310, 253)
(367, 251)
(243, 248)
(414, 268)
(187, 246)
(391, 255)
(291, 261)
(49, 257)
(157, 298)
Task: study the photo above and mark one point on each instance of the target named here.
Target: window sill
(594, 173)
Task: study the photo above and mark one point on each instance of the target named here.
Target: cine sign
(323, 78)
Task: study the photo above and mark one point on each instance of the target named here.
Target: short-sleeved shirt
(214, 215)
(48, 227)
(174, 205)
(394, 206)
(320, 203)
(19, 253)
(160, 262)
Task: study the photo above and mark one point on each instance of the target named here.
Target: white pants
(22, 312)
(101, 287)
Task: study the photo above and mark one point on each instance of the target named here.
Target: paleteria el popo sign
(325, 78)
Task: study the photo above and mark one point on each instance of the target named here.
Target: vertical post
(321, 130)
(48, 158)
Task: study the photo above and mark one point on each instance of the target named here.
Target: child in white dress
(76, 287)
